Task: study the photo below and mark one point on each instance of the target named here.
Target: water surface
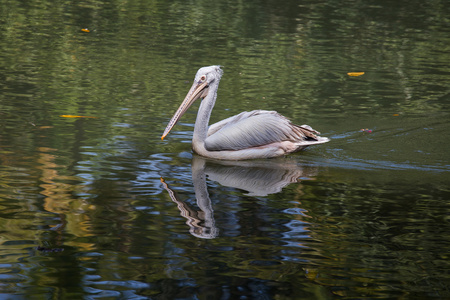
(98, 207)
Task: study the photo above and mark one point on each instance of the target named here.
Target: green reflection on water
(82, 208)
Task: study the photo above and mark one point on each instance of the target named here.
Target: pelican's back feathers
(253, 129)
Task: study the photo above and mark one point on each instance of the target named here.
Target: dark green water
(83, 211)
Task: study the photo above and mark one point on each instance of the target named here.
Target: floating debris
(355, 73)
(72, 116)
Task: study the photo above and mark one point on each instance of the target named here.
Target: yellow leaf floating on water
(85, 30)
(395, 115)
(72, 116)
(355, 73)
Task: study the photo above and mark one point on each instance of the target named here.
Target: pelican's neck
(203, 115)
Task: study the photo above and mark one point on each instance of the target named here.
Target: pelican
(248, 135)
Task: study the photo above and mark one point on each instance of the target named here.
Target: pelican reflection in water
(248, 135)
(258, 178)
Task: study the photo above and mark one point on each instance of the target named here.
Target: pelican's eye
(203, 78)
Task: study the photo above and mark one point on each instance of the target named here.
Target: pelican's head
(211, 74)
(205, 77)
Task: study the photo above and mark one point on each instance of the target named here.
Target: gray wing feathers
(253, 129)
(231, 120)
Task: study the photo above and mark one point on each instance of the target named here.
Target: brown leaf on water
(355, 73)
(395, 115)
(72, 116)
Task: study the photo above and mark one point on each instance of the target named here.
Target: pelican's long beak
(198, 90)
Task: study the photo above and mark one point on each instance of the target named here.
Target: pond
(94, 205)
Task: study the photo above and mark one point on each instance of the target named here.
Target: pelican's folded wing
(229, 121)
(253, 129)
